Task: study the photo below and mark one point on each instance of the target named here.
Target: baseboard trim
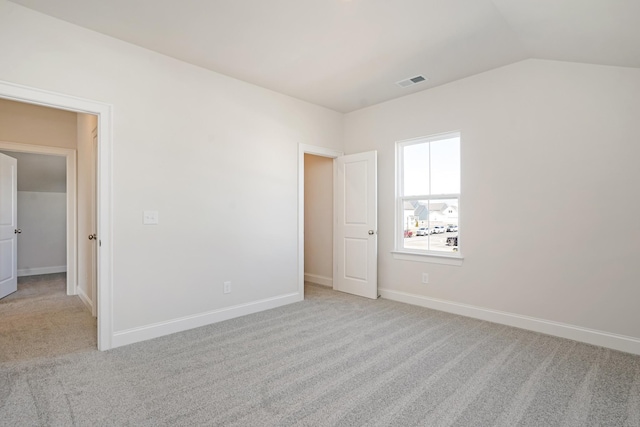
(85, 299)
(563, 330)
(42, 270)
(160, 329)
(319, 280)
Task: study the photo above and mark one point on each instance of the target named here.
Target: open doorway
(315, 210)
(41, 213)
(56, 198)
(104, 225)
(355, 221)
(318, 220)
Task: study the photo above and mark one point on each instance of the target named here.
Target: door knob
(371, 232)
(17, 231)
(93, 236)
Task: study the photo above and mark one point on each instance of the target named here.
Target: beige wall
(86, 202)
(549, 204)
(33, 124)
(42, 246)
(318, 219)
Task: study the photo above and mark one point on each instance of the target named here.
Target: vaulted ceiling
(349, 54)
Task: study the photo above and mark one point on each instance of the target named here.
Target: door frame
(104, 112)
(316, 151)
(71, 208)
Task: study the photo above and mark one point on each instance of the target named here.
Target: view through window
(429, 194)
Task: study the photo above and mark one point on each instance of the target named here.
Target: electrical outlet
(425, 278)
(227, 288)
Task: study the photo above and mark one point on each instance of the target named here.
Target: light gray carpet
(41, 320)
(331, 360)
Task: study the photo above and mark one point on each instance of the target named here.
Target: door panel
(355, 174)
(8, 225)
(355, 233)
(355, 258)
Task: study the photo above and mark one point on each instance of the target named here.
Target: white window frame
(412, 254)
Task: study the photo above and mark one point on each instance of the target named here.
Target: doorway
(314, 164)
(69, 157)
(318, 220)
(47, 317)
(355, 221)
(41, 213)
(103, 112)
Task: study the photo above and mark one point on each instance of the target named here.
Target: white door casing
(93, 258)
(8, 225)
(356, 225)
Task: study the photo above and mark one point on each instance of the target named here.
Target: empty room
(459, 248)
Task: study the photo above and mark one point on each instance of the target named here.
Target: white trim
(563, 330)
(430, 138)
(430, 258)
(104, 185)
(71, 211)
(85, 299)
(42, 270)
(319, 280)
(147, 332)
(317, 151)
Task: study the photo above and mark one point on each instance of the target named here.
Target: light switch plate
(150, 217)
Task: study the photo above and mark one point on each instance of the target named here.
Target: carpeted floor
(40, 320)
(331, 360)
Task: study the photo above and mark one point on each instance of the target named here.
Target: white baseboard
(160, 329)
(563, 330)
(85, 299)
(320, 280)
(42, 270)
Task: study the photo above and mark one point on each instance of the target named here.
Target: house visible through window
(428, 195)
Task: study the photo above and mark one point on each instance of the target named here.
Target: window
(428, 195)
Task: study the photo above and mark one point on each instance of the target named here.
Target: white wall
(318, 219)
(549, 206)
(207, 151)
(42, 245)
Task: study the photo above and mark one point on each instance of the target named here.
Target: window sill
(430, 258)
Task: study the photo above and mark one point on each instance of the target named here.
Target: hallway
(40, 320)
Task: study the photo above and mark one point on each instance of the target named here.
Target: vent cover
(412, 81)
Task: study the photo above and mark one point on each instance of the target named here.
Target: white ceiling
(348, 54)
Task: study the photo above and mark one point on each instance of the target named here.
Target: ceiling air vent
(411, 81)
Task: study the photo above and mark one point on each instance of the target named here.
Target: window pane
(416, 169)
(416, 223)
(443, 221)
(431, 225)
(445, 166)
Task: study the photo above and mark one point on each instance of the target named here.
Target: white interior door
(8, 225)
(356, 229)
